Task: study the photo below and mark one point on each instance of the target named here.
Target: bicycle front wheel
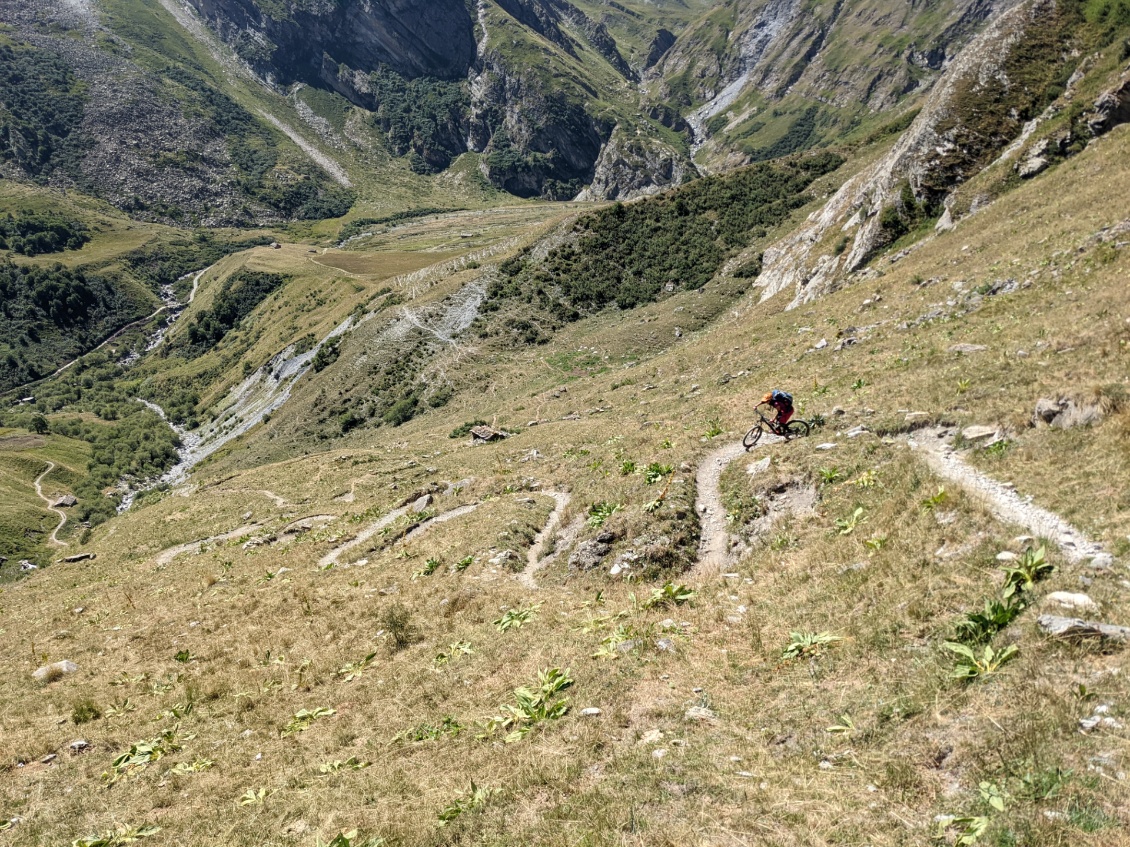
(796, 429)
(752, 437)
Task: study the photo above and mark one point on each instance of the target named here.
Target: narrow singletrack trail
(279, 500)
(534, 559)
(331, 558)
(444, 517)
(714, 537)
(54, 537)
(166, 556)
(934, 446)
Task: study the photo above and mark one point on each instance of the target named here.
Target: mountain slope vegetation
(434, 524)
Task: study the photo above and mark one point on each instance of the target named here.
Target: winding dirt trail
(166, 556)
(444, 517)
(714, 539)
(934, 446)
(331, 558)
(54, 537)
(534, 559)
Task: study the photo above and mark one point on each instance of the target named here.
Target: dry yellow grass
(865, 741)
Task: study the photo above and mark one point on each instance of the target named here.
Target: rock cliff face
(864, 56)
(292, 40)
(630, 166)
(532, 121)
(957, 133)
(538, 141)
(168, 146)
(540, 88)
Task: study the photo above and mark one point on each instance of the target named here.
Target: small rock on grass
(976, 432)
(52, 672)
(759, 466)
(1077, 627)
(1102, 562)
(1068, 600)
(590, 712)
(701, 714)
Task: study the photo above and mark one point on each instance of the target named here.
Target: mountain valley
(373, 383)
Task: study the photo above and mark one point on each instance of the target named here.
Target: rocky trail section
(534, 559)
(444, 517)
(933, 445)
(54, 537)
(714, 538)
(332, 557)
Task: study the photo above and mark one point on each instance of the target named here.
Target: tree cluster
(41, 109)
(33, 233)
(424, 118)
(629, 254)
(50, 312)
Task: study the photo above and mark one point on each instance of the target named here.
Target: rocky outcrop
(830, 53)
(664, 40)
(633, 166)
(942, 148)
(539, 142)
(1066, 412)
(415, 39)
(1111, 108)
(136, 146)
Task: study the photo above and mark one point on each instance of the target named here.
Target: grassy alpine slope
(231, 688)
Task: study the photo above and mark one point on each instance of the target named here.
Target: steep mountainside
(240, 111)
(446, 526)
(112, 100)
(765, 78)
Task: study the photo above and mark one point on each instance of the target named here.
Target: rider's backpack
(783, 396)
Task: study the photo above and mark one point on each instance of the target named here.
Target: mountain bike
(793, 429)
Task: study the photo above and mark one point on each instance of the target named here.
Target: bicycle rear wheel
(796, 429)
(753, 436)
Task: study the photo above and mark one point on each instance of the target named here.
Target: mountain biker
(782, 401)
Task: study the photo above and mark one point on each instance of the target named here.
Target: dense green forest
(424, 119)
(240, 294)
(630, 254)
(41, 106)
(50, 314)
(33, 233)
(137, 446)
